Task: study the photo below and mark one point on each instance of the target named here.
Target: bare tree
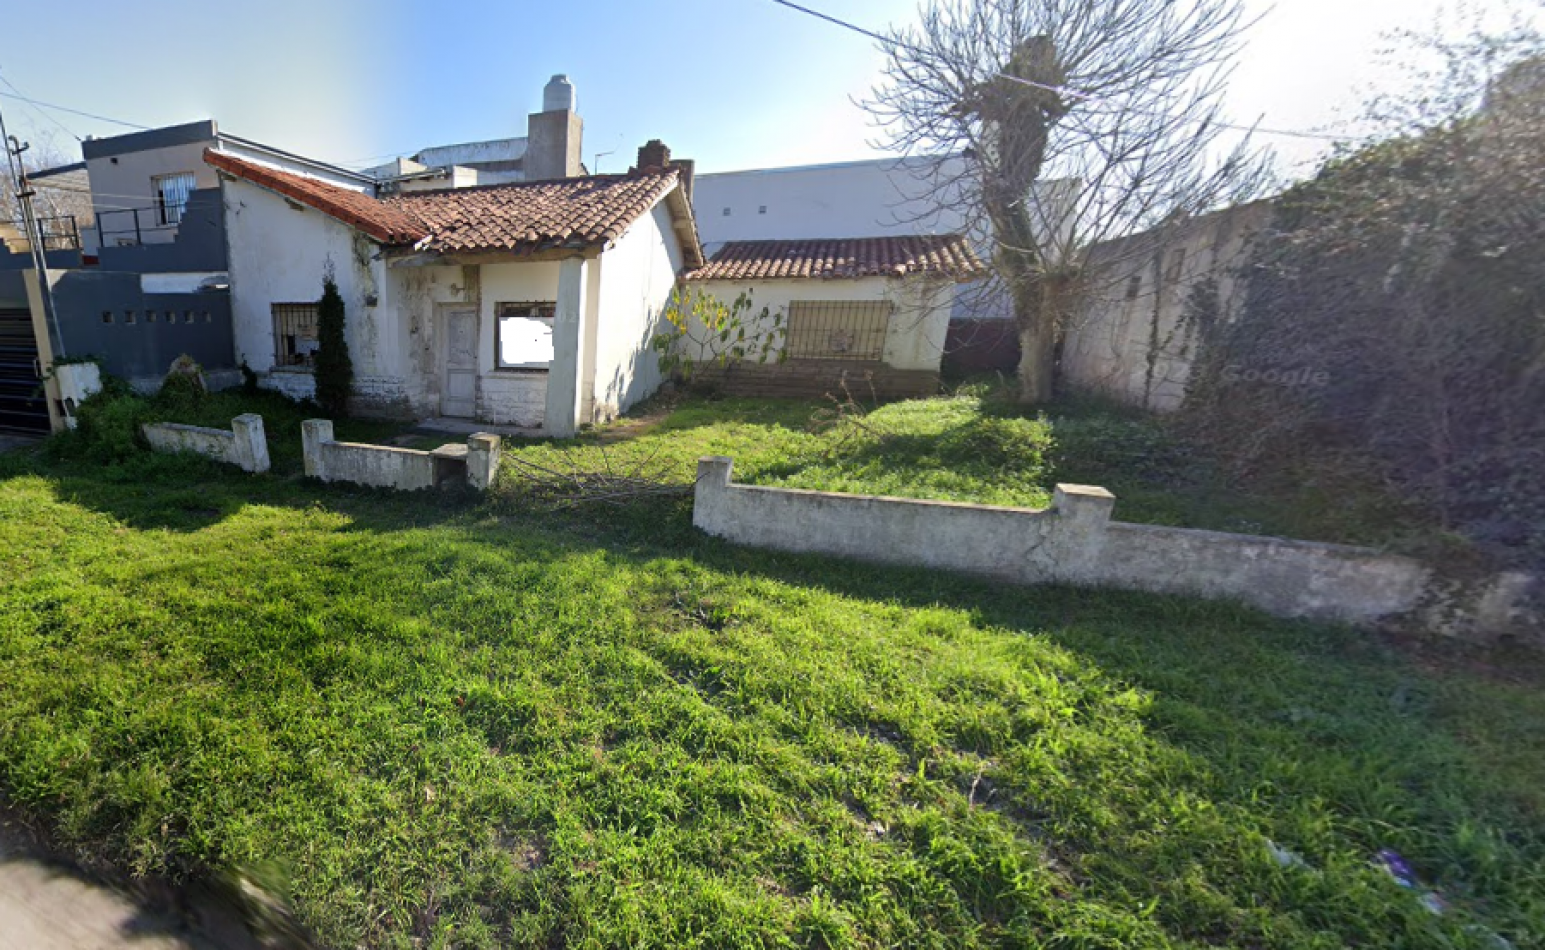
(1081, 120)
(52, 199)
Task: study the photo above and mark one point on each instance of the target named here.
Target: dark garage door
(21, 400)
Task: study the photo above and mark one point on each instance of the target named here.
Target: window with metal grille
(171, 193)
(524, 334)
(837, 329)
(295, 333)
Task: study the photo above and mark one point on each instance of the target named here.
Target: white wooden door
(458, 378)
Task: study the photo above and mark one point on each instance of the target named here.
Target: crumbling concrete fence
(383, 466)
(244, 444)
(1075, 542)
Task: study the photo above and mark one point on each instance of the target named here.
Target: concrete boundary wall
(244, 444)
(1075, 542)
(383, 466)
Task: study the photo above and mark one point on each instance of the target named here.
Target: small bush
(107, 425)
(334, 368)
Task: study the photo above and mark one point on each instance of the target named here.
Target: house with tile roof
(877, 279)
(531, 303)
(871, 312)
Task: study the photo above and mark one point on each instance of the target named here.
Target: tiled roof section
(524, 217)
(378, 219)
(946, 255)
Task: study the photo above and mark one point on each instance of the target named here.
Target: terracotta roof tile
(537, 215)
(947, 255)
(521, 217)
(384, 223)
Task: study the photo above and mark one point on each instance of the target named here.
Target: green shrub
(107, 424)
(334, 369)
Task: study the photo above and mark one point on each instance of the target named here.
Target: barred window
(524, 334)
(838, 329)
(295, 334)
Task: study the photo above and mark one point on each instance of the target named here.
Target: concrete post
(482, 460)
(1078, 535)
(566, 372)
(251, 442)
(313, 434)
(713, 481)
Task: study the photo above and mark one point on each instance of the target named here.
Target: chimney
(554, 136)
(655, 155)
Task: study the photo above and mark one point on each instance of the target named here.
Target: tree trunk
(1037, 348)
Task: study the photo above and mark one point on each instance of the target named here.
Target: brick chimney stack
(655, 156)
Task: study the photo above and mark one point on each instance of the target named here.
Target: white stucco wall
(914, 337)
(508, 396)
(637, 275)
(278, 254)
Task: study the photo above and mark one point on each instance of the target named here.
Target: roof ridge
(512, 185)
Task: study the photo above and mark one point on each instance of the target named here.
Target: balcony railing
(129, 227)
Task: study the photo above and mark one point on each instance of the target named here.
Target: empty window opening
(187, 316)
(1134, 287)
(523, 334)
(761, 209)
(107, 316)
(295, 333)
(128, 316)
(838, 329)
(171, 192)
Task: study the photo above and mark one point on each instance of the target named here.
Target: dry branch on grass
(566, 481)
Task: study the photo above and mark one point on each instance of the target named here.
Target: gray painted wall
(199, 245)
(10, 262)
(144, 348)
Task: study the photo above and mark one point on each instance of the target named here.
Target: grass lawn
(474, 722)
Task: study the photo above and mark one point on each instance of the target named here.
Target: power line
(39, 112)
(89, 115)
(1058, 90)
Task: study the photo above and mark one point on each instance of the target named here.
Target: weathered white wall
(636, 278)
(475, 463)
(1075, 542)
(511, 396)
(914, 337)
(279, 251)
(1139, 350)
(244, 444)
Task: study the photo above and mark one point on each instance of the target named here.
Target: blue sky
(732, 83)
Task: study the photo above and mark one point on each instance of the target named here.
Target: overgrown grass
(976, 446)
(470, 723)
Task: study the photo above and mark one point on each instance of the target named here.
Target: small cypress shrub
(334, 369)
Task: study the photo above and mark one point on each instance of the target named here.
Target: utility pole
(24, 193)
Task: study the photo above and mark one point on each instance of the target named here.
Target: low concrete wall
(384, 466)
(244, 445)
(1075, 542)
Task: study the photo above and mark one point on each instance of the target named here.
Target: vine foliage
(704, 330)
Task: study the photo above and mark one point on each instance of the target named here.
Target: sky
(731, 83)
